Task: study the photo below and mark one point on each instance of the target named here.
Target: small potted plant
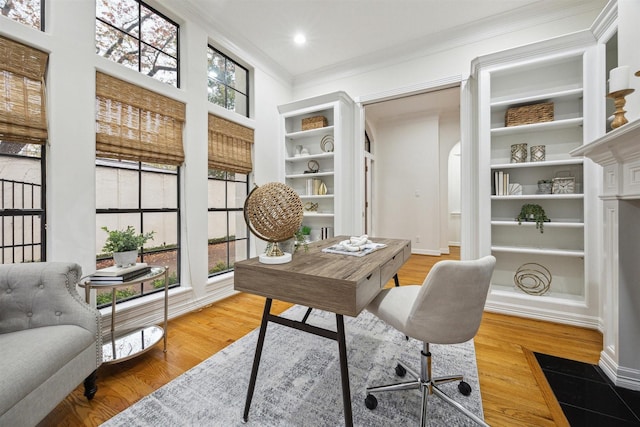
(124, 244)
(530, 212)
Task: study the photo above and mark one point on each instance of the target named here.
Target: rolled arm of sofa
(40, 294)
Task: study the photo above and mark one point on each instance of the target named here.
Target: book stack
(115, 274)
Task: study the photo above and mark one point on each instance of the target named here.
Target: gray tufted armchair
(50, 340)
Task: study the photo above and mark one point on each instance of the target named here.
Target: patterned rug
(299, 384)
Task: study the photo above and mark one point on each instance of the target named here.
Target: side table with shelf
(119, 348)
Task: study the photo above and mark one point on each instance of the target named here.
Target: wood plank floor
(513, 390)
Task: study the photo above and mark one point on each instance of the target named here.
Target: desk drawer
(407, 251)
(390, 268)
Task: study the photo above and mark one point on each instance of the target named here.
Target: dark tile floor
(587, 396)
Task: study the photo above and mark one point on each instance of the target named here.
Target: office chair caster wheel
(370, 401)
(400, 371)
(464, 388)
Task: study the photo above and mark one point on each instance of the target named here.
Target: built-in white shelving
(514, 79)
(306, 159)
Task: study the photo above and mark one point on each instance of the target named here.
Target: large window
(139, 152)
(227, 236)
(28, 12)
(144, 196)
(228, 82)
(133, 34)
(23, 135)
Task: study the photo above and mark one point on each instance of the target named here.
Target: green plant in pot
(124, 244)
(531, 212)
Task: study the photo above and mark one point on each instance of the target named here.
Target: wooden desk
(342, 284)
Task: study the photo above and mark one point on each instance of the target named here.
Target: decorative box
(527, 114)
(314, 122)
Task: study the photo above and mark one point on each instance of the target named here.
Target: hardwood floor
(513, 390)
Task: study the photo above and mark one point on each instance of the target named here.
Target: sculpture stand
(619, 101)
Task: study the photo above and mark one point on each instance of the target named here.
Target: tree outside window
(133, 34)
(228, 82)
(28, 12)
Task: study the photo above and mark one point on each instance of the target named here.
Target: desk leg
(256, 358)
(344, 371)
(396, 280)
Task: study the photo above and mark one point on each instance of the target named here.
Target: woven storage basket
(527, 114)
(314, 122)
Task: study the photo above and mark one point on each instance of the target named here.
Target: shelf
(551, 163)
(504, 103)
(537, 127)
(550, 297)
(309, 175)
(309, 133)
(540, 197)
(309, 157)
(559, 224)
(318, 215)
(539, 251)
(316, 196)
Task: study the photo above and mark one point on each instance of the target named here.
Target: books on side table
(116, 274)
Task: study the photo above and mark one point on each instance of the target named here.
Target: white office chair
(446, 309)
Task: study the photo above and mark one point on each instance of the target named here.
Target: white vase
(125, 259)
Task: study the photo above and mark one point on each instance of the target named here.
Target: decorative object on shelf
(317, 183)
(619, 78)
(309, 187)
(314, 122)
(326, 144)
(313, 167)
(544, 186)
(515, 189)
(298, 151)
(304, 152)
(533, 278)
(518, 153)
(528, 114)
(322, 189)
(273, 212)
(326, 232)
(310, 207)
(538, 153)
(531, 212)
(124, 244)
(619, 102)
(563, 183)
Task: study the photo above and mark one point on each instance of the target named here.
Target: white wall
(406, 182)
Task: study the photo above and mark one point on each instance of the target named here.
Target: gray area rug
(299, 384)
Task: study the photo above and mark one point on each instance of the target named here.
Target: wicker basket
(527, 114)
(314, 122)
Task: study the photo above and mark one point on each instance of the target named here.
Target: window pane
(218, 257)
(118, 221)
(238, 251)
(217, 226)
(237, 77)
(158, 65)
(24, 11)
(239, 104)
(159, 190)
(217, 93)
(122, 14)
(115, 45)
(116, 186)
(159, 33)
(216, 193)
(236, 194)
(237, 226)
(164, 224)
(216, 65)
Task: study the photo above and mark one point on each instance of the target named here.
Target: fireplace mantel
(618, 152)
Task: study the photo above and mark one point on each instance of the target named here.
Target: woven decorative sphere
(273, 212)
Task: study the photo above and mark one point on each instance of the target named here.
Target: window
(133, 34)
(28, 12)
(23, 133)
(139, 152)
(228, 234)
(228, 82)
(228, 186)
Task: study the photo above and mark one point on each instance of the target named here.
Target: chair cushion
(31, 356)
(393, 305)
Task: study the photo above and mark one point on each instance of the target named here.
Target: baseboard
(619, 375)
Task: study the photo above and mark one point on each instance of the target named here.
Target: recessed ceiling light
(299, 39)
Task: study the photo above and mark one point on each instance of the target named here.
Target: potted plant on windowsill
(124, 244)
(531, 212)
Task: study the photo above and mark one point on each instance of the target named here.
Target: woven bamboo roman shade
(229, 146)
(137, 124)
(23, 112)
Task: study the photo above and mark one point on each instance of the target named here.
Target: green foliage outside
(159, 283)
(121, 294)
